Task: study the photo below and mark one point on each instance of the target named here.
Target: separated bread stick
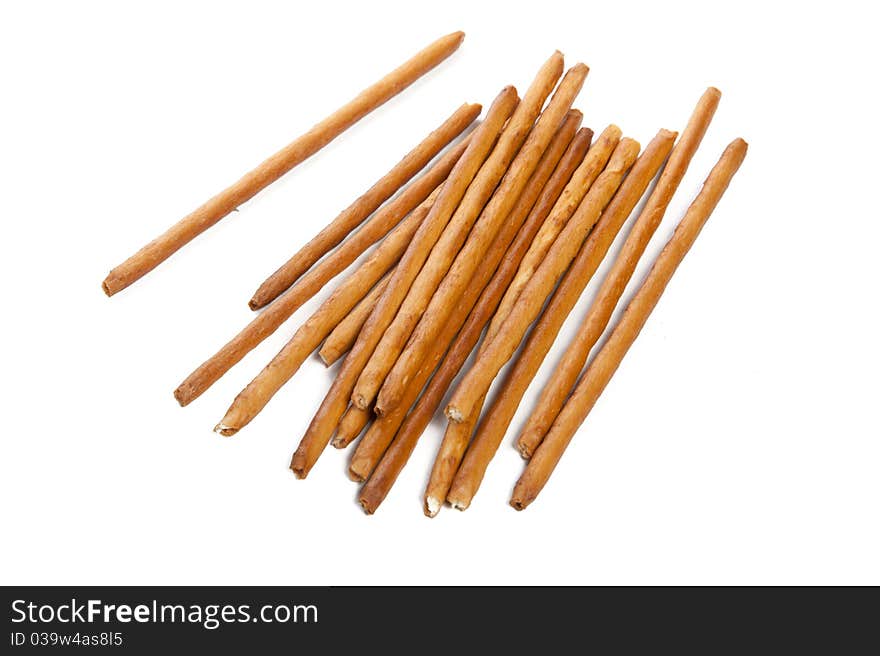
(477, 380)
(161, 248)
(566, 373)
(383, 429)
(571, 197)
(439, 307)
(456, 232)
(351, 425)
(346, 331)
(395, 457)
(335, 402)
(493, 426)
(251, 400)
(290, 301)
(355, 214)
(603, 366)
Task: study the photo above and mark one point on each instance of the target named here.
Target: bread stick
(383, 430)
(477, 380)
(572, 196)
(350, 426)
(459, 276)
(343, 336)
(251, 400)
(458, 229)
(494, 424)
(356, 213)
(417, 419)
(335, 402)
(568, 369)
(306, 287)
(192, 225)
(603, 366)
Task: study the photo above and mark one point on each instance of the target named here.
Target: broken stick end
(459, 505)
(432, 506)
(225, 430)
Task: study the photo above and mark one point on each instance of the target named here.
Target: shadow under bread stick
(569, 368)
(535, 202)
(253, 398)
(383, 430)
(192, 225)
(495, 422)
(477, 380)
(457, 231)
(343, 336)
(439, 306)
(356, 213)
(607, 360)
(568, 202)
(324, 422)
(411, 201)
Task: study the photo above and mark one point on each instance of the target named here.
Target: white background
(738, 442)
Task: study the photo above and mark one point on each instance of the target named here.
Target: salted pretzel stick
(459, 228)
(395, 458)
(494, 424)
(306, 339)
(335, 402)
(346, 331)
(383, 430)
(566, 373)
(161, 248)
(355, 214)
(603, 366)
(307, 286)
(571, 197)
(351, 425)
(440, 305)
(477, 380)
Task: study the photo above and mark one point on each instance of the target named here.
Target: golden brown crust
(344, 335)
(306, 287)
(568, 202)
(356, 213)
(494, 423)
(439, 307)
(350, 426)
(603, 366)
(569, 367)
(335, 402)
(309, 335)
(192, 225)
(384, 429)
(461, 227)
(477, 380)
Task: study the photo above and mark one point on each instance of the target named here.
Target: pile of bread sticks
(483, 237)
